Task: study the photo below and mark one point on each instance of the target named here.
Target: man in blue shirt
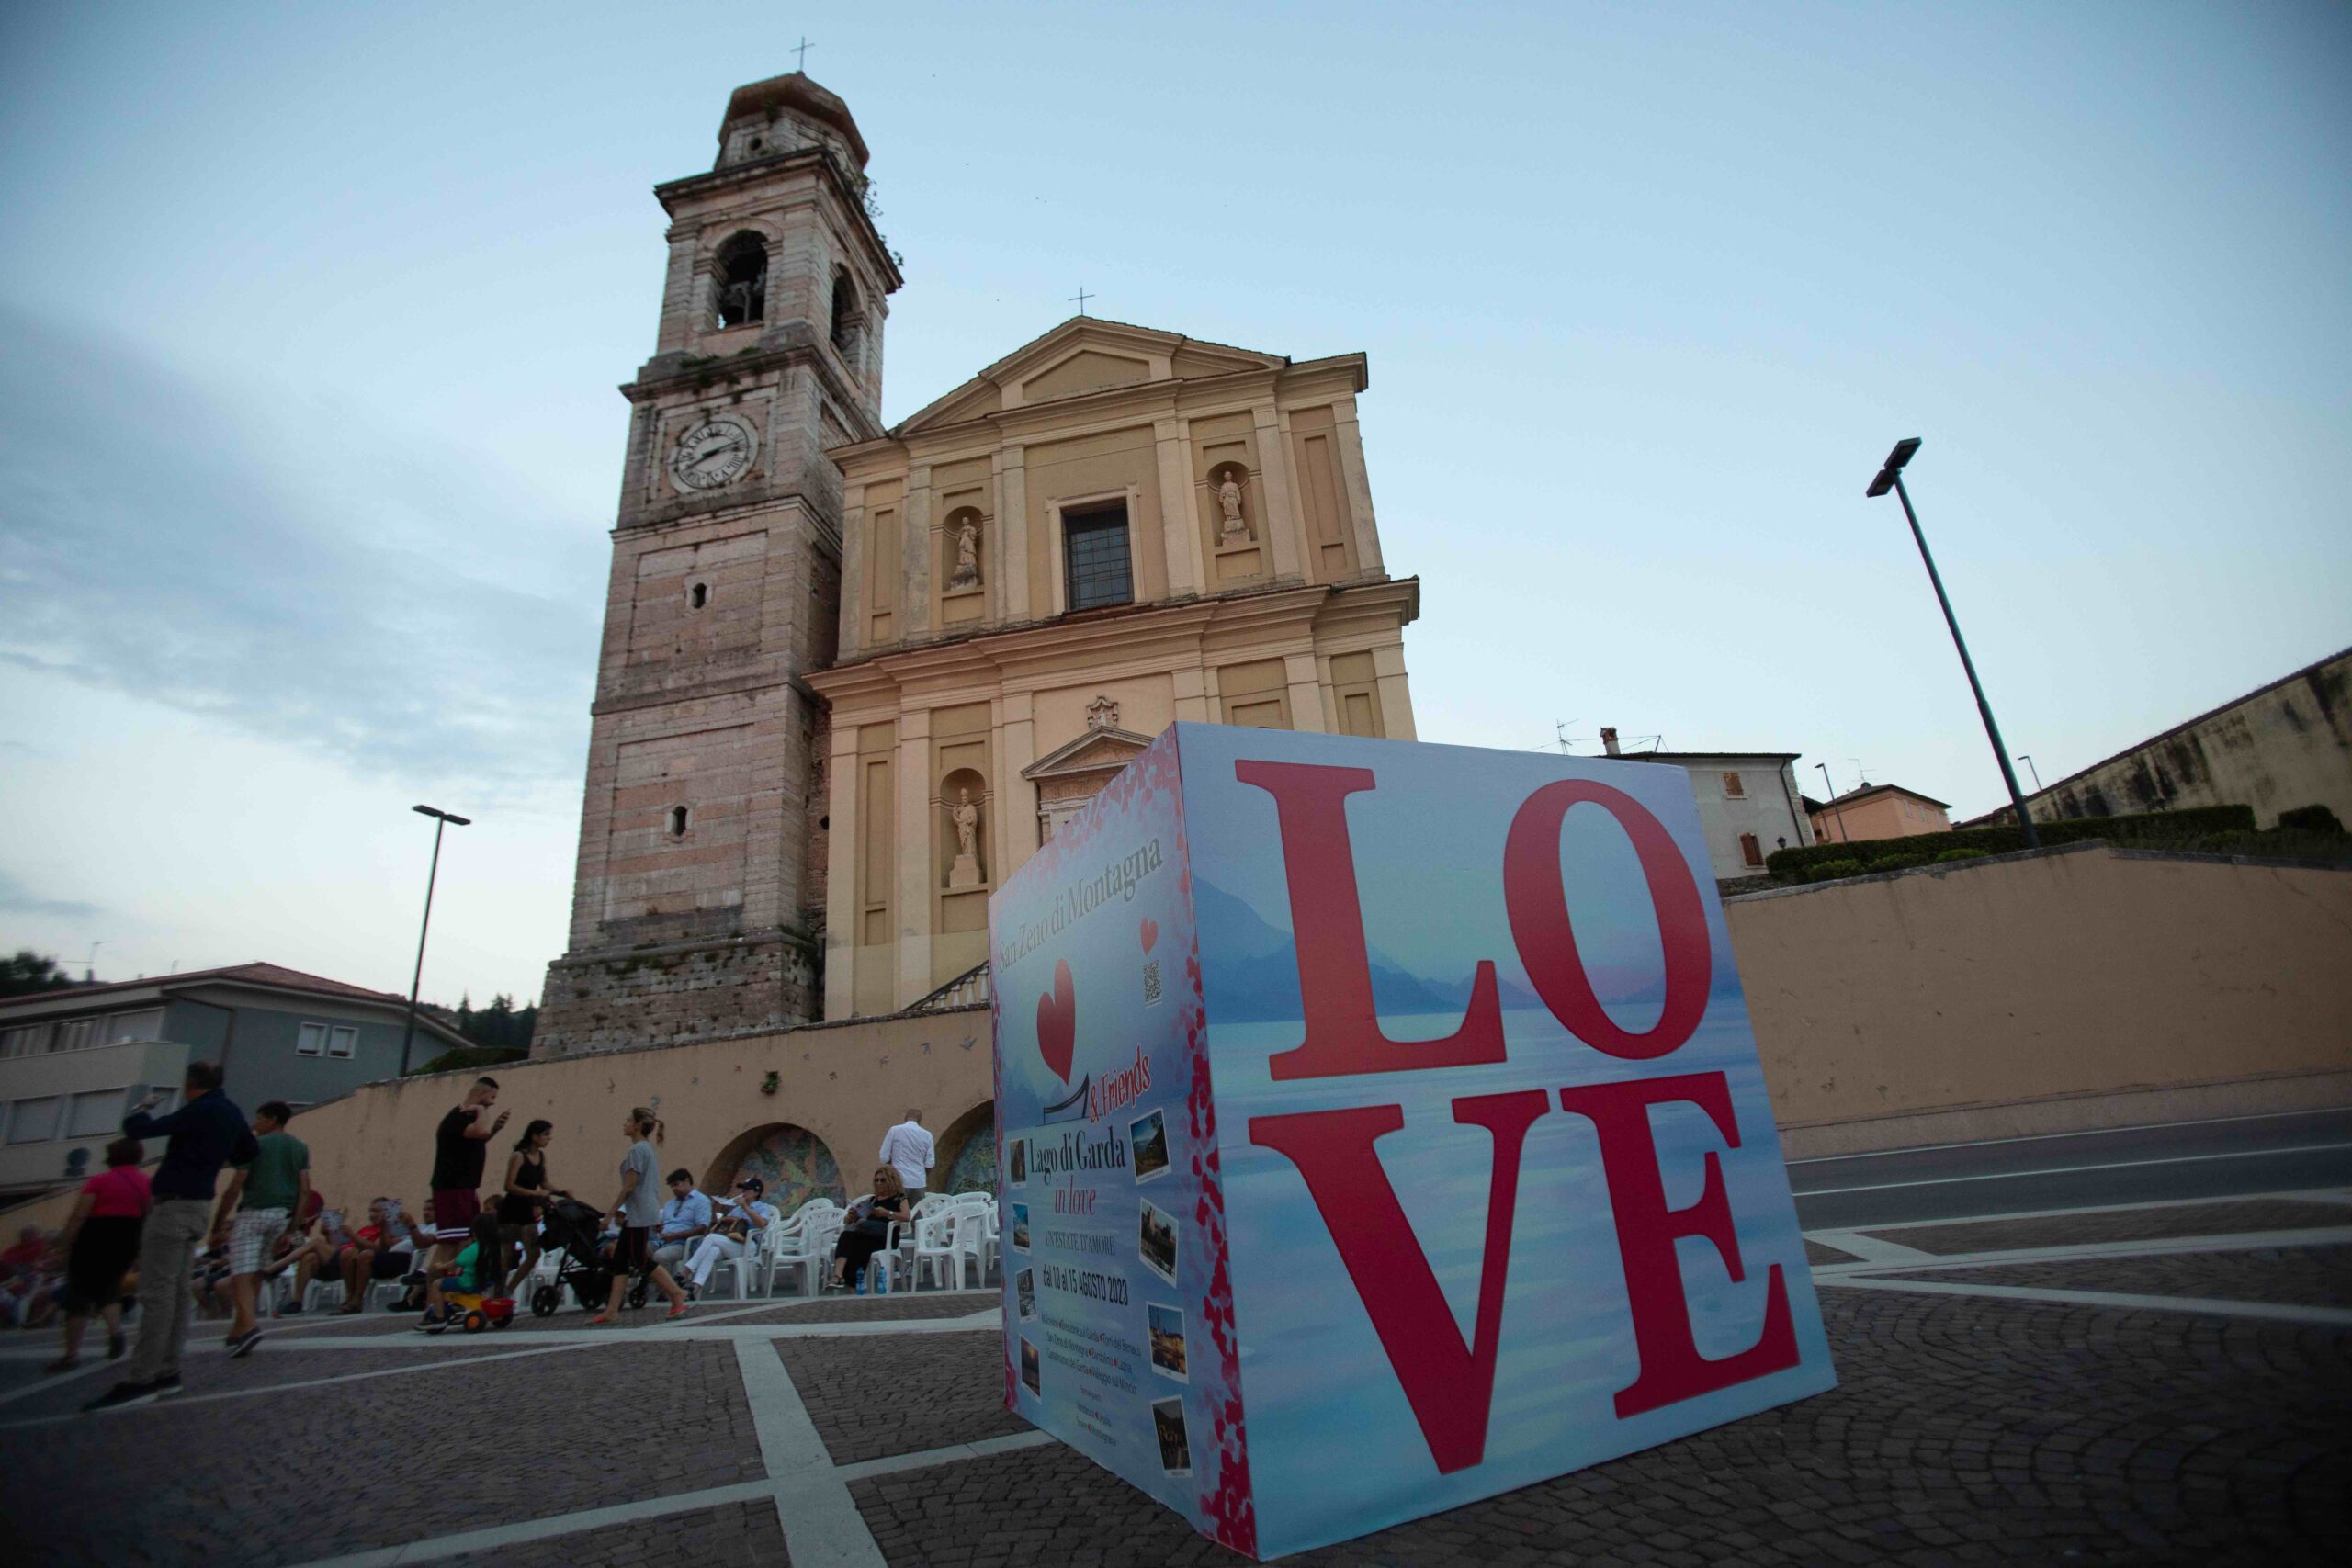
(735, 1237)
(685, 1219)
(206, 1133)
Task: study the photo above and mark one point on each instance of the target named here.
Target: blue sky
(310, 318)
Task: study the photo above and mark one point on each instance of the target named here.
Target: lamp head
(1895, 460)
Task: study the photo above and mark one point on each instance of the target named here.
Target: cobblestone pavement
(1968, 1426)
(2298, 1276)
(2153, 1224)
(870, 1399)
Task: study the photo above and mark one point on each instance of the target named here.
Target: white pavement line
(2071, 1170)
(1011, 1442)
(2083, 1133)
(822, 1528)
(1869, 1249)
(2296, 1195)
(182, 1402)
(2235, 1241)
(2333, 1317)
(497, 1536)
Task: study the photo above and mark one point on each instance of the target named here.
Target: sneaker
(243, 1344)
(291, 1309)
(429, 1324)
(115, 1346)
(122, 1396)
(63, 1364)
(167, 1385)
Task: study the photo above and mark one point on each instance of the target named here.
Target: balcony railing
(967, 989)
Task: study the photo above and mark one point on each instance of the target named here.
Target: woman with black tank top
(526, 1194)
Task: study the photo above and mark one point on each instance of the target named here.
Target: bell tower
(698, 901)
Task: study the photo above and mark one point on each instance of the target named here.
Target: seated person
(321, 1250)
(867, 1229)
(478, 1270)
(748, 1214)
(211, 1284)
(686, 1220)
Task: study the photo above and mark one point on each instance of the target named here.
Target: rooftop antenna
(1560, 730)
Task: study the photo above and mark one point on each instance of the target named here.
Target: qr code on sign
(1151, 982)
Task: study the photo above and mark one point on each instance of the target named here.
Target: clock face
(712, 453)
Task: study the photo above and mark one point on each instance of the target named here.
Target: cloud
(17, 900)
(152, 542)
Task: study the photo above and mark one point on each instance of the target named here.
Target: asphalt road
(2127, 1164)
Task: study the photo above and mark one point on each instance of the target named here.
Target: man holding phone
(205, 1134)
(748, 1212)
(456, 1168)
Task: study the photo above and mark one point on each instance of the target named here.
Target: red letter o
(1538, 905)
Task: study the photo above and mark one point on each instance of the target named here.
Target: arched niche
(792, 1160)
(739, 279)
(966, 1153)
(960, 787)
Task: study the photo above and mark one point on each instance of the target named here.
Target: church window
(677, 821)
(845, 313)
(698, 595)
(741, 276)
(1095, 558)
(1751, 851)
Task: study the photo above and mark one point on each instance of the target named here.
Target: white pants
(709, 1253)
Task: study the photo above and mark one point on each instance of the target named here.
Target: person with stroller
(867, 1230)
(639, 1209)
(525, 1198)
(99, 1244)
(748, 1215)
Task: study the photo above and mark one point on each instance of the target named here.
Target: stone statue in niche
(966, 871)
(1232, 528)
(967, 555)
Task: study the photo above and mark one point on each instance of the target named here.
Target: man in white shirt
(738, 1231)
(908, 1149)
(686, 1220)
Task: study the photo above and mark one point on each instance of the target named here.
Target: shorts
(251, 1234)
(632, 1253)
(453, 1215)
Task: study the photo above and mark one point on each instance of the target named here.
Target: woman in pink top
(100, 1242)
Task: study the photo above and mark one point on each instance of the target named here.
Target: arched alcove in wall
(966, 1153)
(792, 1160)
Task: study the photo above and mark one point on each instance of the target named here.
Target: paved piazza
(2156, 1384)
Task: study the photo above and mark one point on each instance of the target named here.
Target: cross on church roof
(1082, 296)
(801, 50)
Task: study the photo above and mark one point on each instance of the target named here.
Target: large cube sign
(1383, 1131)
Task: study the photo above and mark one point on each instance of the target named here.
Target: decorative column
(1396, 701)
(852, 615)
(918, 868)
(1305, 694)
(1358, 487)
(914, 557)
(1016, 798)
(1012, 522)
(842, 914)
(1178, 514)
(1280, 517)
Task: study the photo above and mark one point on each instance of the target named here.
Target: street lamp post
(441, 819)
(1889, 476)
(1835, 810)
(2026, 758)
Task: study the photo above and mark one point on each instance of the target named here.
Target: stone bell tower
(700, 892)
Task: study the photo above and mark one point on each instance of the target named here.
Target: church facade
(852, 677)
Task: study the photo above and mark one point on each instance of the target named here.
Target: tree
(28, 972)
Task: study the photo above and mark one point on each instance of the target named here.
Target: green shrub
(1831, 870)
(2152, 829)
(2278, 843)
(1950, 856)
(467, 1056)
(2311, 819)
(1893, 862)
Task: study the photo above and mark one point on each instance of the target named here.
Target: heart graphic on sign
(1057, 1022)
(1150, 932)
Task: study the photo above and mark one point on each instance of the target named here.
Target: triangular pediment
(1092, 753)
(1085, 354)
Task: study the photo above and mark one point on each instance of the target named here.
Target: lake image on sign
(1448, 1148)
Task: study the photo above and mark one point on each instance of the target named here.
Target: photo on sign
(1166, 1340)
(1025, 1287)
(1155, 1242)
(1175, 1449)
(1021, 1227)
(1032, 1366)
(1149, 1138)
(1016, 1167)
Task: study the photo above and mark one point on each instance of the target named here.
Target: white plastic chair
(935, 1250)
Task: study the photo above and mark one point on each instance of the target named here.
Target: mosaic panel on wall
(975, 1166)
(797, 1167)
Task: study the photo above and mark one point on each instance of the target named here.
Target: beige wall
(2082, 986)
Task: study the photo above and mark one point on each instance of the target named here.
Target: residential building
(1877, 811)
(73, 1061)
(1746, 800)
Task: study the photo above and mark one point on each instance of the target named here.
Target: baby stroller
(572, 1231)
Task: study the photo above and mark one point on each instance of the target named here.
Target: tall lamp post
(2026, 758)
(1889, 476)
(441, 819)
(1835, 810)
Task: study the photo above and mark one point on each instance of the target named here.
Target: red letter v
(1450, 1386)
